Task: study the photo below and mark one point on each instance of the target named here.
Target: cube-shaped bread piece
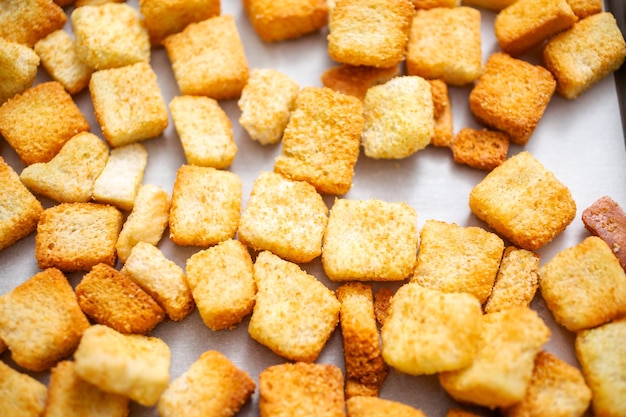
(584, 8)
(69, 394)
(38, 122)
(111, 35)
(601, 354)
(527, 23)
(266, 103)
(212, 386)
(40, 320)
(481, 149)
(134, 366)
(502, 369)
(221, 279)
(301, 389)
(453, 258)
(21, 394)
(356, 80)
(208, 59)
(364, 406)
(285, 217)
(431, 4)
(607, 220)
(524, 202)
(77, 236)
(556, 389)
(60, 59)
(370, 240)
(128, 104)
(70, 175)
(369, 32)
(287, 19)
(206, 205)
(19, 209)
(382, 301)
(511, 95)
(27, 21)
(399, 118)
(444, 333)
(291, 303)
(18, 68)
(442, 106)
(584, 54)
(445, 43)
(205, 131)
(161, 278)
(584, 286)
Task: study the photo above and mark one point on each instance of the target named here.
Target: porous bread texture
(584, 8)
(27, 21)
(607, 220)
(356, 80)
(286, 19)
(364, 406)
(21, 394)
(431, 4)
(442, 110)
(481, 149)
(493, 5)
(382, 301)
(18, 68)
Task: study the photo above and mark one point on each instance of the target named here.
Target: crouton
(481, 149)
(287, 19)
(443, 134)
(377, 407)
(584, 8)
(18, 68)
(27, 21)
(356, 80)
(382, 301)
(493, 5)
(21, 394)
(607, 220)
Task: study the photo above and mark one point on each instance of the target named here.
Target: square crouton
(356, 80)
(556, 389)
(204, 130)
(302, 389)
(206, 206)
(581, 56)
(40, 320)
(134, 366)
(524, 202)
(373, 33)
(364, 406)
(502, 369)
(69, 393)
(285, 217)
(291, 303)
(399, 118)
(37, 123)
(601, 352)
(584, 8)
(453, 258)
(527, 23)
(128, 104)
(481, 149)
(266, 103)
(19, 209)
(365, 369)
(60, 59)
(445, 43)
(161, 278)
(442, 110)
(607, 220)
(208, 59)
(70, 175)
(77, 236)
(18, 68)
(212, 386)
(321, 141)
(444, 330)
(287, 19)
(121, 177)
(431, 4)
(511, 95)
(370, 240)
(21, 394)
(584, 286)
(110, 35)
(27, 21)
(221, 279)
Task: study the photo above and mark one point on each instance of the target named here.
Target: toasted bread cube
(584, 8)
(134, 366)
(19, 209)
(212, 386)
(382, 301)
(204, 130)
(457, 412)
(493, 5)
(511, 95)
(301, 389)
(399, 118)
(69, 395)
(37, 123)
(81, 3)
(128, 104)
(21, 394)
(40, 320)
(370, 240)
(581, 56)
(18, 68)
(601, 353)
(27, 21)
(70, 175)
(369, 32)
(607, 220)
(356, 80)
(287, 19)
(295, 314)
(208, 59)
(556, 389)
(524, 202)
(431, 4)
(445, 43)
(502, 368)
(161, 278)
(206, 205)
(285, 217)
(481, 149)
(584, 286)
(266, 103)
(364, 406)
(442, 107)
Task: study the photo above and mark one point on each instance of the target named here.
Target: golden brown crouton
(27, 21)
(378, 407)
(18, 68)
(356, 80)
(584, 8)
(382, 301)
(458, 412)
(20, 394)
(286, 19)
(481, 149)
(444, 133)
(607, 220)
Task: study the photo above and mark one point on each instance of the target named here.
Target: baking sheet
(580, 141)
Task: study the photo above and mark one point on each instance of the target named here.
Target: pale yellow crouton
(18, 68)
(494, 5)
(378, 407)
(20, 394)
(442, 110)
(584, 8)
(286, 19)
(27, 21)
(356, 80)
(481, 149)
